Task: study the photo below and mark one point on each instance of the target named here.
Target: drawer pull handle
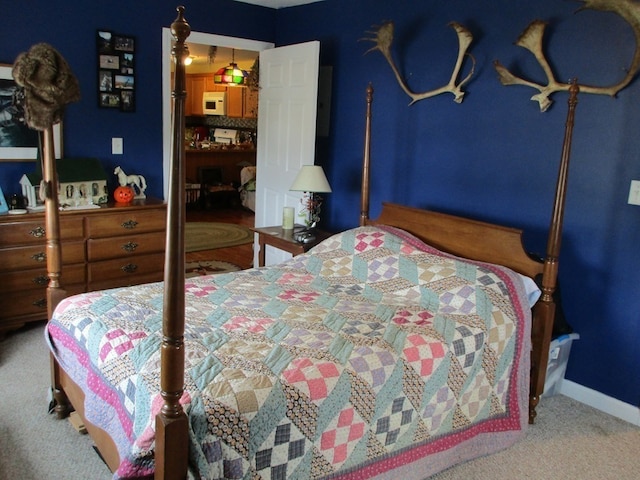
(41, 280)
(40, 303)
(39, 257)
(130, 247)
(38, 232)
(129, 224)
(129, 268)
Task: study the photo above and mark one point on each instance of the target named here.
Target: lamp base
(305, 236)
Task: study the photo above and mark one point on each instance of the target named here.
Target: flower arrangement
(310, 209)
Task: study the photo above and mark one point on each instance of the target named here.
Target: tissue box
(558, 358)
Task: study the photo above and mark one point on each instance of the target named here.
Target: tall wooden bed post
(48, 86)
(490, 243)
(55, 290)
(545, 310)
(172, 439)
(364, 184)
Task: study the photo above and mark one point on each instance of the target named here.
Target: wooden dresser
(112, 246)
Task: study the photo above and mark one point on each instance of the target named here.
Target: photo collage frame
(116, 71)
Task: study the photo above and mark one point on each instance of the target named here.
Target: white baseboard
(601, 402)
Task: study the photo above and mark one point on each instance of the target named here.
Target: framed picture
(124, 43)
(18, 142)
(116, 71)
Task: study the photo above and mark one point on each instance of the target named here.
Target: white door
(286, 131)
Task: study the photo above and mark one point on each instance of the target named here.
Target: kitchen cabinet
(196, 86)
(235, 101)
(250, 104)
(241, 101)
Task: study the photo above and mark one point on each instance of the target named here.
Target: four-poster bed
(338, 356)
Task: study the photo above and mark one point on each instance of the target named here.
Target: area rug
(210, 235)
(209, 267)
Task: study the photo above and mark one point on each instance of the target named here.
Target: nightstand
(282, 239)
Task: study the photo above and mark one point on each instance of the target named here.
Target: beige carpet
(209, 267)
(210, 235)
(570, 441)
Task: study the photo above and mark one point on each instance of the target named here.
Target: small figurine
(136, 182)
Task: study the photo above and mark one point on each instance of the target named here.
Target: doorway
(206, 39)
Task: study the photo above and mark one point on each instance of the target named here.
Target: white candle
(287, 218)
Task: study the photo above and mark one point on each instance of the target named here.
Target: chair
(213, 192)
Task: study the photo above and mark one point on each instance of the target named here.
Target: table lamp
(311, 180)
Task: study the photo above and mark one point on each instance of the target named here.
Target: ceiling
(205, 60)
(278, 3)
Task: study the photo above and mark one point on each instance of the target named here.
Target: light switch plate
(116, 146)
(634, 193)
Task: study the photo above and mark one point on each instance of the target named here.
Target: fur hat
(48, 83)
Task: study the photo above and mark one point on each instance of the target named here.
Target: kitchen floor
(241, 255)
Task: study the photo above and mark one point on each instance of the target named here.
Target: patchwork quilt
(372, 352)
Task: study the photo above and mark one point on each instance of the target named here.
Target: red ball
(123, 194)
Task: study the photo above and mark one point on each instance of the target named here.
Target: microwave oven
(214, 103)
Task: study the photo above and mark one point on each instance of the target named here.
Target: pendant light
(231, 74)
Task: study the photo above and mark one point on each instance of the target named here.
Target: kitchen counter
(229, 160)
(220, 150)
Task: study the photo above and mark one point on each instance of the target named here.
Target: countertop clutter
(220, 139)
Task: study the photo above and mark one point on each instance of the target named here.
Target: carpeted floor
(212, 235)
(570, 440)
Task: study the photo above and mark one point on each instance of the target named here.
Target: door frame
(194, 37)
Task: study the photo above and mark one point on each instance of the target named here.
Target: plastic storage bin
(558, 358)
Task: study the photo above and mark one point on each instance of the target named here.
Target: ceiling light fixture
(231, 74)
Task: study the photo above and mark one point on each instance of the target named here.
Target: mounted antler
(531, 39)
(383, 38)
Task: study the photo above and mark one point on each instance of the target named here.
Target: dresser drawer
(29, 302)
(127, 271)
(126, 246)
(18, 258)
(34, 232)
(126, 223)
(37, 278)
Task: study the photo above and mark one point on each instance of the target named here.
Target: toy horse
(136, 182)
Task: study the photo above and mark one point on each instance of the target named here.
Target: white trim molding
(602, 402)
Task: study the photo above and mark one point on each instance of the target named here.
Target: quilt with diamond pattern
(371, 356)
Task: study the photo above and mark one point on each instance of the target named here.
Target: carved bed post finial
(171, 456)
(366, 159)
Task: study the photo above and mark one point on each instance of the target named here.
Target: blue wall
(494, 156)
(72, 31)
